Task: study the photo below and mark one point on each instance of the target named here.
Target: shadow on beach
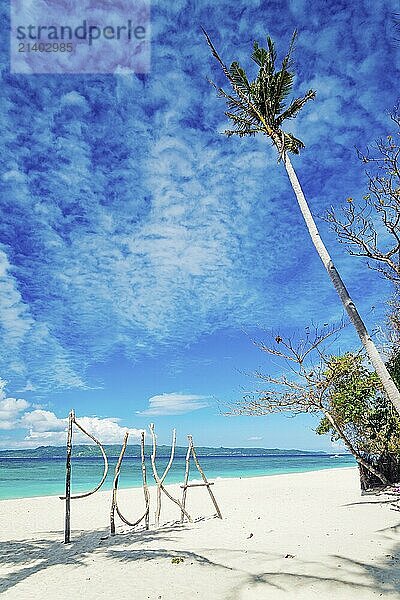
(25, 558)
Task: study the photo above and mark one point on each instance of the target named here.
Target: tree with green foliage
(394, 366)
(260, 106)
(359, 407)
(365, 416)
(341, 388)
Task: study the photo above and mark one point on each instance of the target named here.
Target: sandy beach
(298, 536)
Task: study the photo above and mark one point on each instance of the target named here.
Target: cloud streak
(174, 404)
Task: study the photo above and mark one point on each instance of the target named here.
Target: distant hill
(113, 450)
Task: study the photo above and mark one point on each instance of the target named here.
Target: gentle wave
(23, 477)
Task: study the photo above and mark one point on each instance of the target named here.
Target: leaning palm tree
(260, 106)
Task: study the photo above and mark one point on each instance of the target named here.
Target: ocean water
(27, 477)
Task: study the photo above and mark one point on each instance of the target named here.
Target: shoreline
(298, 536)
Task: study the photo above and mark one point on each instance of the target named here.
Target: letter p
(93, 29)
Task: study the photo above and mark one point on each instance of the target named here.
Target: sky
(141, 251)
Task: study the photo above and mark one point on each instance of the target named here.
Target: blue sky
(139, 248)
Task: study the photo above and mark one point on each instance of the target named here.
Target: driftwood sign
(159, 479)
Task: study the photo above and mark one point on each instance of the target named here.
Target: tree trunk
(387, 382)
(354, 452)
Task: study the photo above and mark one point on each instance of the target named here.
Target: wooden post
(67, 530)
(115, 484)
(145, 486)
(155, 474)
(206, 482)
(160, 480)
(68, 497)
(185, 482)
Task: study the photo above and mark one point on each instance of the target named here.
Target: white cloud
(107, 430)
(43, 427)
(42, 421)
(173, 404)
(10, 408)
(23, 339)
(46, 428)
(15, 320)
(255, 438)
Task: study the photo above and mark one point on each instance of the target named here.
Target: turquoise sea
(28, 477)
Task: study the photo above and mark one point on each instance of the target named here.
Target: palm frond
(291, 143)
(259, 55)
(246, 98)
(294, 107)
(239, 77)
(216, 55)
(238, 108)
(240, 120)
(287, 61)
(280, 89)
(235, 104)
(265, 59)
(271, 50)
(283, 80)
(260, 105)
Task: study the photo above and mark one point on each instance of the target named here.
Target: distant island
(133, 450)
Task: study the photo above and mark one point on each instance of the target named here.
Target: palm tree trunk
(354, 452)
(387, 382)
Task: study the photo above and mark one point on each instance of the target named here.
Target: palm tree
(260, 106)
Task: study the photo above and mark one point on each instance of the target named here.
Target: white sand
(314, 536)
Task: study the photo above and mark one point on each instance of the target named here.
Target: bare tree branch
(371, 228)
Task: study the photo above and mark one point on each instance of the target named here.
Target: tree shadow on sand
(43, 553)
(348, 576)
(25, 558)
